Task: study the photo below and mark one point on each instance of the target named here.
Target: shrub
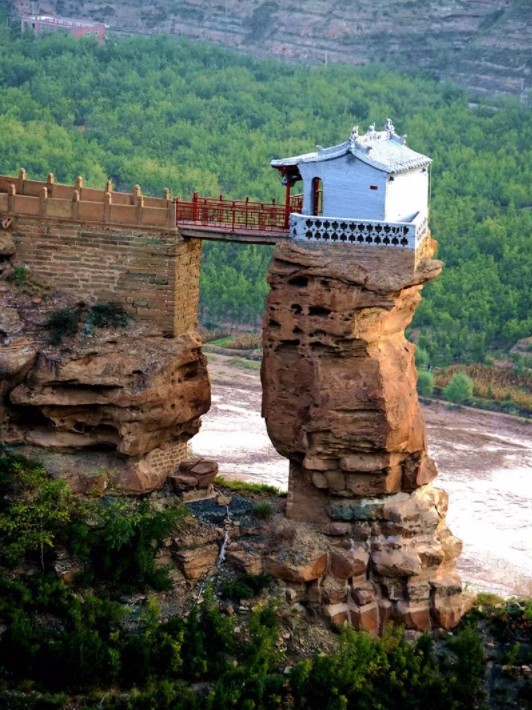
(263, 510)
(63, 323)
(19, 274)
(422, 357)
(390, 673)
(245, 586)
(109, 315)
(254, 680)
(425, 383)
(459, 389)
(122, 541)
(208, 641)
(33, 509)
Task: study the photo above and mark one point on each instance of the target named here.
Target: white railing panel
(362, 232)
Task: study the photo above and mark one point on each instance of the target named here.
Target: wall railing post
(43, 205)
(11, 193)
(79, 186)
(75, 204)
(137, 192)
(107, 202)
(21, 180)
(172, 213)
(50, 180)
(195, 207)
(140, 209)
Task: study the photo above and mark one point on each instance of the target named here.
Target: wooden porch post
(287, 202)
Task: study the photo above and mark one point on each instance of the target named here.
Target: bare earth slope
(483, 44)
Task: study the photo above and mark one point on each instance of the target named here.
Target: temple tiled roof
(383, 150)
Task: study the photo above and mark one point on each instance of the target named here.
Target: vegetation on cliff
(192, 116)
(83, 641)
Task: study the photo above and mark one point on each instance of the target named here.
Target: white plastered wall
(406, 195)
(346, 188)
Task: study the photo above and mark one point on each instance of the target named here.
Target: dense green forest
(191, 116)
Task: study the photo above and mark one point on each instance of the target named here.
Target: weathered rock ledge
(340, 402)
(109, 406)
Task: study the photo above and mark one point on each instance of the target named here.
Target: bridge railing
(50, 200)
(236, 215)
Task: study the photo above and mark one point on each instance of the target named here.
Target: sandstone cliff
(340, 402)
(108, 406)
(483, 44)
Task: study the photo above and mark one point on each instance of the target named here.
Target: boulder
(396, 562)
(203, 470)
(291, 572)
(344, 565)
(413, 615)
(198, 561)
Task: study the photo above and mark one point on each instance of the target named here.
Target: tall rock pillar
(340, 402)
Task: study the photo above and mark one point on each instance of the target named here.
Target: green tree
(34, 508)
(459, 389)
(425, 383)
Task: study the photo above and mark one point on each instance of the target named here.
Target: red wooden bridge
(235, 220)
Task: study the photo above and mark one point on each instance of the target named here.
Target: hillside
(481, 44)
(190, 116)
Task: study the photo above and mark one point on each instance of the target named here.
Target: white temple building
(372, 190)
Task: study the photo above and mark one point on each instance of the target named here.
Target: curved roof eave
(387, 156)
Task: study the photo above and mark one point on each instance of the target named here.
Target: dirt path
(485, 462)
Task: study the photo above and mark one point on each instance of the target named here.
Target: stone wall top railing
(21, 197)
(323, 229)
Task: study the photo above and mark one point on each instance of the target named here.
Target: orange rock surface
(340, 402)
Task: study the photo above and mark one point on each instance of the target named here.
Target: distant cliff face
(482, 44)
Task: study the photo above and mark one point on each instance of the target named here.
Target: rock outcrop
(340, 402)
(108, 405)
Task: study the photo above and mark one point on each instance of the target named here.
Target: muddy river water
(485, 462)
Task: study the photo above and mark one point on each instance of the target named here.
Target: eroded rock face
(340, 402)
(115, 400)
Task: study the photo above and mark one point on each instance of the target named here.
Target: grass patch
(246, 487)
(221, 342)
(245, 341)
(263, 510)
(504, 385)
(245, 364)
(488, 599)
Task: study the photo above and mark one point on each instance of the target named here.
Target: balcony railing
(364, 232)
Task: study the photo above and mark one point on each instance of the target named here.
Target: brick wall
(156, 275)
(166, 459)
